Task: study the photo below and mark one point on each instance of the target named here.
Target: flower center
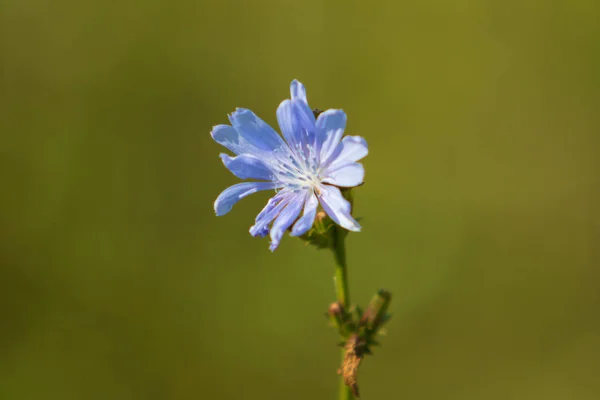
(298, 169)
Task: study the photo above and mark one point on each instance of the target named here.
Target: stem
(345, 393)
(341, 279)
(341, 291)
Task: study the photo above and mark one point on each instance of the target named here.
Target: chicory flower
(305, 170)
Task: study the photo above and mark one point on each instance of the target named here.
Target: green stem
(341, 279)
(341, 291)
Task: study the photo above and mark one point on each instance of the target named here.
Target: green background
(480, 206)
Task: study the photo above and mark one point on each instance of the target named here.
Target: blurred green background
(480, 206)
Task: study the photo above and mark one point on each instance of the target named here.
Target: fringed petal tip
(297, 91)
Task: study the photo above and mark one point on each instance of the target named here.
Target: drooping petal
(298, 91)
(233, 194)
(305, 222)
(337, 207)
(348, 175)
(330, 128)
(285, 218)
(270, 212)
(246, 166)
(351, 149)
(227, 136)
(256, 131)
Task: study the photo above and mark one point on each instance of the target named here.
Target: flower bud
(376, 313)
(336, 315)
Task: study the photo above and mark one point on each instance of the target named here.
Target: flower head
(306, 169)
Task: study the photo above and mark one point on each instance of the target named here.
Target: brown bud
(321, 216)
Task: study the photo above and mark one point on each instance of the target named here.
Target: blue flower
(305, 170)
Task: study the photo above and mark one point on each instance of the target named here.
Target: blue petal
(337, 207)
(308, 218)
(330, 128)
(247, 167)
(297, 123)
(228, 137)
(256, 131)
(297, 91)
(348, 175)
(351, 149)
(233, 194)
(285, 218)
(287, 122)
(270, 212)
(306, 121)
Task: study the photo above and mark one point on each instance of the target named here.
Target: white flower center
(298, 169)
